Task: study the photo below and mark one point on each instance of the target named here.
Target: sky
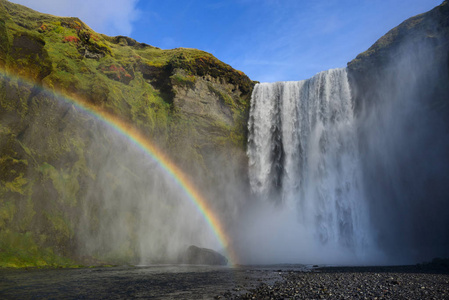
(269, 40)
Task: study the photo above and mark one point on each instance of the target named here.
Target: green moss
(19, 250)
(16, 186)
(7, 211)
(45, 141)
(4, 44)
(65, 182)
(12, 89)
(224, 97)
(186, 81)
(60, 226)
(29, 56)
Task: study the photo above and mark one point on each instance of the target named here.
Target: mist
(134, 211)
(348, 173)
(337, 174)
(349, 167)
(404, 137)
(304, 163)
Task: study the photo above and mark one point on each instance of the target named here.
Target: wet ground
(147, 282)
(400, 282)
(243, 282)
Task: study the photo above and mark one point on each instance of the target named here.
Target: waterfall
(303, 155)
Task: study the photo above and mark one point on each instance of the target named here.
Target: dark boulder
(203, 256)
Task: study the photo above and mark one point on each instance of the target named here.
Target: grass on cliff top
(159, 57)
(73, 73)
(56, 29)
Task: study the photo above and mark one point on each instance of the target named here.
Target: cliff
(185, 101)
(424, 34)
(400, 89)
(72, 192)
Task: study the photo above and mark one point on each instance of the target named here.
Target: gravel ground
(241, 282)
(406, 282)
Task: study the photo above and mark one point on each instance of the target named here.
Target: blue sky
(269, 40)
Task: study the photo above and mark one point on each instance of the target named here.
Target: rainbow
(142, 142)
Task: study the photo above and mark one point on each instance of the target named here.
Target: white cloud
(111, 17)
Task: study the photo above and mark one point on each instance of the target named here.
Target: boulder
(202, 256)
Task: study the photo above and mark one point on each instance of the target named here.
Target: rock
(203, 256)
(429, 29)
(406, 72)
(187, 102)
(28, 51)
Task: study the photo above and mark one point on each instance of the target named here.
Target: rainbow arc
(134, 136)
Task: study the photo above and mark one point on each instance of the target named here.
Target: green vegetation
(48, 154)
(188, 80)
(19, 250)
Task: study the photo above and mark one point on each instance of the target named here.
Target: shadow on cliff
(401, 93)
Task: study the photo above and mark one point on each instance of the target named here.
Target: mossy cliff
(67, 185)
(186, 101)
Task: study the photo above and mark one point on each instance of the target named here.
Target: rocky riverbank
(430, 281)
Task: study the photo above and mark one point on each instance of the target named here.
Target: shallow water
(149, 282)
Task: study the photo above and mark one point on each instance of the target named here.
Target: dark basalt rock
(401, 84)
(28, 52)
(428, 31)
(203, 256)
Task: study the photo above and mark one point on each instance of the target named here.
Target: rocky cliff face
(52, 153)
(72, 192)
(424, 34)
(400, 89)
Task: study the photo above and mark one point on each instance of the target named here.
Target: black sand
(401, 282)
(243, 282)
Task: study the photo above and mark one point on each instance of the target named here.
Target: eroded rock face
(203, 256)
(185, 101)
(424, 33)
(29, 53)
(203, 96)
(400, 89)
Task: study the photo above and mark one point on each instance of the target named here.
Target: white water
(304, 160)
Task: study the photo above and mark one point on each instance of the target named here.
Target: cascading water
(353, 180)
(303, 156)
